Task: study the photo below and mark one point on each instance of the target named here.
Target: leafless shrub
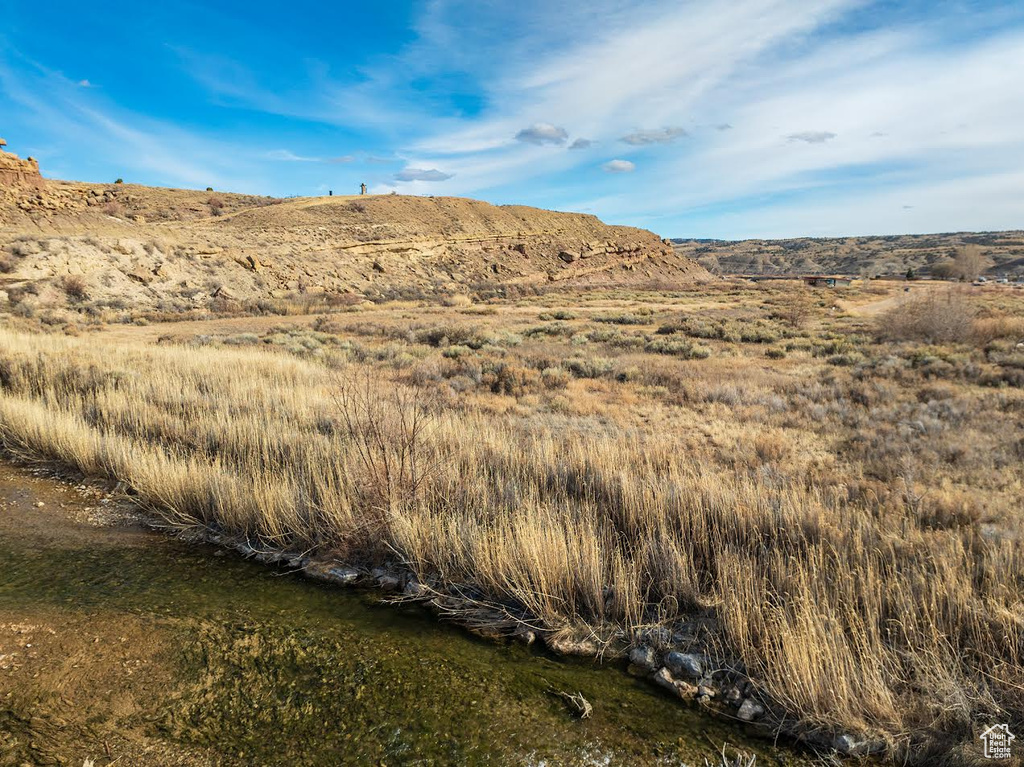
(389, 431)
(74, 287)
(23, 309)
(23, 247)
(794, 313)
(934, 316)
(946, 270)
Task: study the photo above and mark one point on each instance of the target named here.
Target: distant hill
(869, 256)
(171, 249)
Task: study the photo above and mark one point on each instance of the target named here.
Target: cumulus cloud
(543, 133)
(656, 136)
(581, 143)
(811, 136)
(422, 174)
(618, 166)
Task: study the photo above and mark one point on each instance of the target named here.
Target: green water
(273, 669)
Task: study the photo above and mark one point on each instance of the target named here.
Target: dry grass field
(821, 493)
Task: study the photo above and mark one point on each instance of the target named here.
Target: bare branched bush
(389, 428)
(934, 316)
(74, 287)
(794, 312)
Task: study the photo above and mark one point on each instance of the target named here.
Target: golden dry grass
(842, 520)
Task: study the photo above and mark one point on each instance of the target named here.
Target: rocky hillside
(173, 250)
(1002, 251)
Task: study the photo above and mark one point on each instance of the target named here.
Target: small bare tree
(389, 428)
(970, 262)
(795, 311)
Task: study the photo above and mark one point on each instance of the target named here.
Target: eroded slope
(176, 249)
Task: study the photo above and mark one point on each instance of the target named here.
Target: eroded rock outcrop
(15, 172)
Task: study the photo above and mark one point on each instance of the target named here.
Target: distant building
(821, 281)
(362, 189)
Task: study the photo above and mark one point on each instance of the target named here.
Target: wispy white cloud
(422, 174)
(790, 116)
(904, 109)
(656, 136)
(811, 136)
(286, 155)
(600, 85)
(925, 101)
(85, 123)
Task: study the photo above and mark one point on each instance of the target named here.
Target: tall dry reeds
(842, 607)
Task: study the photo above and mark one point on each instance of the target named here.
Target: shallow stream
(126, 646)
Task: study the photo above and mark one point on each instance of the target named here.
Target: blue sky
(694, 118)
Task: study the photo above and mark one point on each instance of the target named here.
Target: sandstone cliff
(17, 173)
